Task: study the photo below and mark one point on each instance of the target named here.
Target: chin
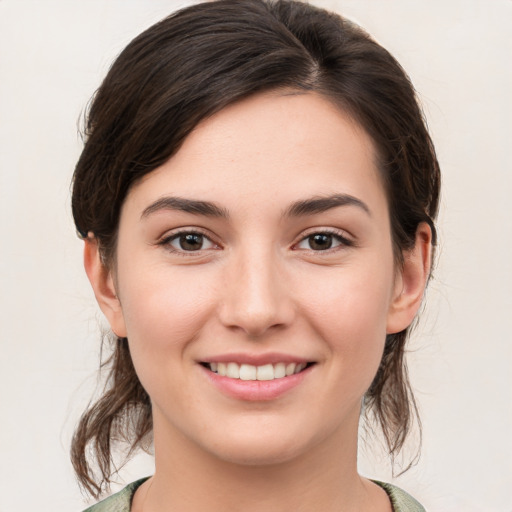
(264, 443)
(261, 453)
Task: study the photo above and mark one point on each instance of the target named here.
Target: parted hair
(186, 68)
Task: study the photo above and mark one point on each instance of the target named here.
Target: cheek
(350, 313)
(163, 311)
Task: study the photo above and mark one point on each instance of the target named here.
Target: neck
(188, 478)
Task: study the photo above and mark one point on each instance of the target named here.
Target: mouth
(249, 372)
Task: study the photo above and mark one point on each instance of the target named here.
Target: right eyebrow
(193, 206)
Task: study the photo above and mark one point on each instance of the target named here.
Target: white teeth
(247, 372)
(300, 367)
(250, 372)
(221, 369)
(279, 371)
(290, 369)
(265, 372)
(233, 371)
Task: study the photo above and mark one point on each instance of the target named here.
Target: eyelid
(345, 239)
(169, 236)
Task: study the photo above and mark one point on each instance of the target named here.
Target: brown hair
(184, 69)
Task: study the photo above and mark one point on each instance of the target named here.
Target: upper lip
(255, 359)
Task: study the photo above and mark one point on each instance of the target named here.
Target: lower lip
(256, 390)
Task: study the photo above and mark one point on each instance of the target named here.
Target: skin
(259, 286)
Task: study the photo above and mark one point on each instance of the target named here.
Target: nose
(256, 299)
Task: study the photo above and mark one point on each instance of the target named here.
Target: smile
(256, 378)
(249, 372)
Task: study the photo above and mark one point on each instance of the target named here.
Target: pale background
(458, 53)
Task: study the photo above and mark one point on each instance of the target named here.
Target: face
(255, 281)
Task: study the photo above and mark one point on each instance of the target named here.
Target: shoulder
(119, 502)
(401, 501)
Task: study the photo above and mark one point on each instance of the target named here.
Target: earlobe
(411, 281)
(102, 283)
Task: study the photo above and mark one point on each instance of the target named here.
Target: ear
(102, 282)
(411, 281)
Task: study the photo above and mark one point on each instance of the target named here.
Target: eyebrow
(297, 209)
(195, 207)
(322, 204)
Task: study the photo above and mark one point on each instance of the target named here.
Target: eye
(189, 241)
(323, 241)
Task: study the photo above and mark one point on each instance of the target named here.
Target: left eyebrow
(193, 206)
(322, 204)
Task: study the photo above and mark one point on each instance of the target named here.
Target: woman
(257, 196)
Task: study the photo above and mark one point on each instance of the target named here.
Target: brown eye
(323, 241)
(320, 241)
(189, 242)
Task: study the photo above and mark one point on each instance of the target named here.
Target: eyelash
(166, 241)
(339, 236)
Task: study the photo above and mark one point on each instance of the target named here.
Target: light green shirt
(121, 501)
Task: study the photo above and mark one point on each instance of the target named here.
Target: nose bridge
(255, 299)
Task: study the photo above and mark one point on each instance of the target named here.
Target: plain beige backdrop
(53, 55)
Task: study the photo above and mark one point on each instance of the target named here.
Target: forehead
(277, 146)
